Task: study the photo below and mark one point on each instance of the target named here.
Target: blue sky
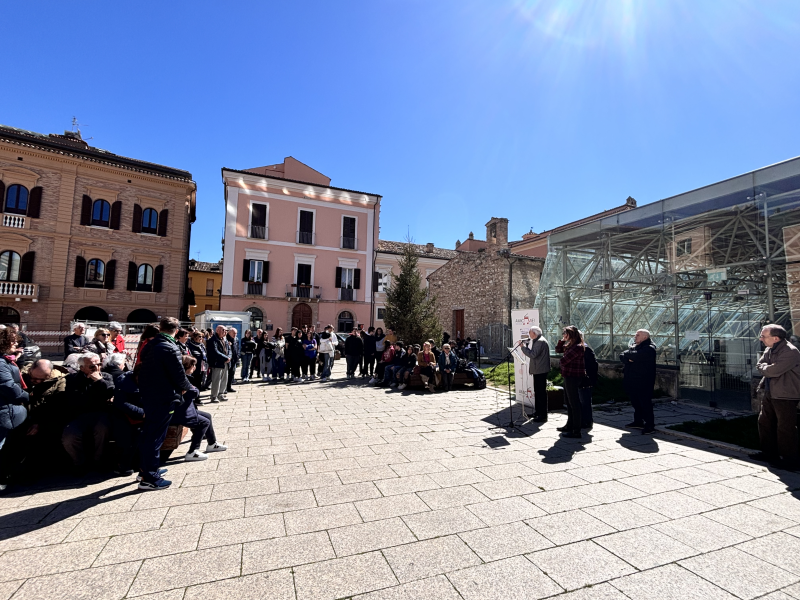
(454, 110)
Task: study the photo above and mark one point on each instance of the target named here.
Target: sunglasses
(103, 334)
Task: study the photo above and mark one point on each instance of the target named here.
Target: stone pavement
(334, 491)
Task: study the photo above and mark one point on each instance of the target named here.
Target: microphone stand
(509, 358)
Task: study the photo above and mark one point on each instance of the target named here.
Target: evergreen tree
(410, 310)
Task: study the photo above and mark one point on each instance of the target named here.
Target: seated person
(126, 419)
(396, 364)
(76, 341)
(197, 421)
(114, 365)
(407, 369)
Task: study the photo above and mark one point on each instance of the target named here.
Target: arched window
(256, 319)
(101, 213)
(95, 273)
(345, 322)
(9, 266)
(149, 221)
(144, 279)
(17, 200)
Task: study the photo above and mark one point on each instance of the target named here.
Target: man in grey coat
(777, 421)
(537, 349)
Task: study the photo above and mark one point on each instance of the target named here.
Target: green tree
(410, 309)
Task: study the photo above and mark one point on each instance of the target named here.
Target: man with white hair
(76, 341)
(219, 357)
(537, 349)
(639, 379)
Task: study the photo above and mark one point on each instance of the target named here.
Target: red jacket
(119, 343)
(572, 363)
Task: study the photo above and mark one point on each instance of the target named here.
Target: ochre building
(205, 281)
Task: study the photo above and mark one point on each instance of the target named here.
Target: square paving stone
(205, 512)
(275, 585)
(189, 568)
(430, 557)
(390, 506)
(598, 473)
(117, 524)
(149, 544)
(717, 494)
(604, 591)
(343, 577)
(284, 552)
(291, 483)
(701, 533)
(317, 519)
(568, 527)
(30, 536)
(46, 560)
(441, 522)
(375, 535)
(505, 488)
(555, 481)
(451, 497)
(339, 494)
(504, 541)
(645, 547)
(175, 497)
(435, 588)
(674, 505)
(406, 485)
(510, 579)
(654, 483)
(563, 500)
(780, 549)
(755, 486)
(460, 477)
(577, 565)
(104, 583)
(739, 573)
(786, 505)
(236, 531)
(360, 475)
(282, 502)
(669, 582)
(749, 519)
(625, 515)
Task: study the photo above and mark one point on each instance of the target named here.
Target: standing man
(353, 351)
(117, 340)
(162, 382)
(76, 341)
(639, 379)
(537, 349)
(219, 357)
(233, 342)
(777, 420)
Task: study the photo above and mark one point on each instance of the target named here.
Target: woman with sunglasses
(100, 344)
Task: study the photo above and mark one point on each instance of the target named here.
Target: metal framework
(701, 271)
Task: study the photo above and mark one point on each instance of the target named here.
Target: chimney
(630, 201)
(497, 232)
(471, 235)
(429, 248)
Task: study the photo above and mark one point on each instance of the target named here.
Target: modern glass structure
(701, 271)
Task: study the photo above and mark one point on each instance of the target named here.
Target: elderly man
(639, 379)
(76, 341)
(117, 339)
(537, 349)
(234, 345)
(219, 357)
(162, 382)
(88, 396)
(780, 382)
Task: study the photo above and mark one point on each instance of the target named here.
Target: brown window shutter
(162, 222)
(35, 202)
(26, 267)
(136, 226)
(338, 283)
(356, 279)
(80, 271)
(132, 272)
(376, 276)
(158, 278)
(266, 272)
(246, 270)
(111, 274)
(86, 210)
(116, 213)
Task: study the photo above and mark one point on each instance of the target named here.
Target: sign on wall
(522, 321)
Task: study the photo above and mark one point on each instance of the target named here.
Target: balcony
(348, 243)
(255, 289)
(258, 232)
(27, 291)
(306, 237)
(15, 221)
(302, 290)
(347, 294)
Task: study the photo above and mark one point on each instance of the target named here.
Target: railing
(255, 289)
(348, 243)
(305, 237)
(20, 290)
(347, 294)
(302, 290)
(258, 232)
(15, 221)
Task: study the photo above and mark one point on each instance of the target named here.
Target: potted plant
(555, 396)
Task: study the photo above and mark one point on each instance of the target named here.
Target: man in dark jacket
(639, 371)
(234, 345)
(76, 341)
(219, 357)
(368, 363)
(353, 351)
(162, 382)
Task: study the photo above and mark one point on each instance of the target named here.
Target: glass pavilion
(702, 271)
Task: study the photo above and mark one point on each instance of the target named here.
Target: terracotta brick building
(89, 234)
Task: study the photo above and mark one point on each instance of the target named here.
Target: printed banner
(522, 321)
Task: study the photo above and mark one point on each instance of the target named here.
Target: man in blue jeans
(162, 382)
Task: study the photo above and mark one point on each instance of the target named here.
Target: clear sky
(453, 110)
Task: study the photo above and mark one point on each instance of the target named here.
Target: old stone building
(87, 234)
(478, 287)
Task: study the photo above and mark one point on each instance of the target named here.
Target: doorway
(345, 322)
(301, 315)
(458, 323)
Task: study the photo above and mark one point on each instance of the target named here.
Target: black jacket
(639, 363)
(127, 398)
(198, 351)
(74, 344)
(114, 371)
(219, 351)
(591, 366)
(353, 346)
(11, 391)
(369, 344)
(161, 375)
(234, 344)
(249, 346)
(85, 395)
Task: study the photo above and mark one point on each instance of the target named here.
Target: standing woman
(278, 356)
(256, 365)
(150, 331)
(12, 397)
(310, 356)
(197, 349)
(585, 391)
(573, 370)
(248, 348)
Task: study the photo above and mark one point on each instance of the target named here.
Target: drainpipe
(374, 259)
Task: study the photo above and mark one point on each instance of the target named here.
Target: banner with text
(522, 321)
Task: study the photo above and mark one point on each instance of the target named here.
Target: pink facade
(296, 249)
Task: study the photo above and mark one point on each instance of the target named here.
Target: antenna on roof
(76, 128)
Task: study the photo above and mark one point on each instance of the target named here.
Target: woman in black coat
(12, 396)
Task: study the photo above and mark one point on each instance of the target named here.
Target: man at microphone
(537, 349)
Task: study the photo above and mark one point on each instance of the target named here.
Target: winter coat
(639, 364)
(234, 344)
(249, 346)
(198, 351)
(11, 391)
(74, 344)
(310, 348)
(127, 398)
(780, 367)
(369, 344)
(218, 351)
(353, 346)
(591, 366)
(46, 391)
(571, 363)
(327, 345)
(161, 376)
(83, 395)
(444, 363)
(186, 412)
(538, 351)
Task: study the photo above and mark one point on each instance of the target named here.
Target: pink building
(297, 250)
